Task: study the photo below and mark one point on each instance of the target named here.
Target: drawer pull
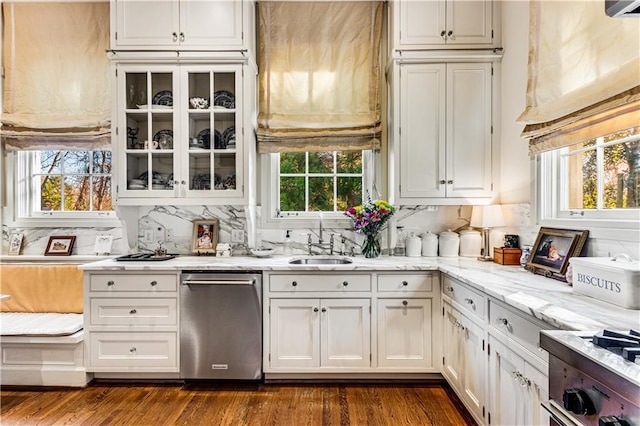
(404, 283)
(315, 309)
(324, 309)
(110, 283)
(405, 303)
(450, 289)
(132, 350)
(133, 311)
(153, 283)
(294, 283)
(503, 322)
(469, 301)
(174, 36)
(345, 283)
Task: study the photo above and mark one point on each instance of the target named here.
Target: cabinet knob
(503, 321)
(450, 33)
(133, 311)
(345, 283)
(110, 283)
(443, 33)
(294, 283)
(405, 303)
(315, 309)
(450, 289)
(324, 309)
(153, 283)
(181, 37)
(132, 350)
(450, 182)
(469, 301)
(404, 283)
(175, 36)
(442, 182)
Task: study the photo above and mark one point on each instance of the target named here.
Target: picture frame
(205, 236)
(552, 250)
(60, 245)
(15, 244)
(103, 244)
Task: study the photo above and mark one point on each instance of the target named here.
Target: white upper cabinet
(178, 24)
(442, 132)
(420, 24)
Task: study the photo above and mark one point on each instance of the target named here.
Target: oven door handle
(218, 282)
(558, 414)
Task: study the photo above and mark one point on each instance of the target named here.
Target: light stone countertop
(549, 300)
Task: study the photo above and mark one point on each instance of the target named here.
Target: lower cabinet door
(473, 366)
(294, 333)
(140, 352)
(345, 333)
(405, 333)
(452, 348)
(507, 386)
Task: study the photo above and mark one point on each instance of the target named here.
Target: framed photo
(205, 236)
(553, 248)
(103, 244)
(60, 246)
(15, 244)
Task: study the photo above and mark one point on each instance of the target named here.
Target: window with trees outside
(329, 181)
(73, 183)
(599, 178)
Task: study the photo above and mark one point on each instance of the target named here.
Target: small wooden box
(506, 256)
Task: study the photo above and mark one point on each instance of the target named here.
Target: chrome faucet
(320, 244)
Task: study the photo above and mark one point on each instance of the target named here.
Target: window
(63, 184)
(309, 182)
(598, 179)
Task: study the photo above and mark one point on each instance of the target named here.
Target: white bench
(41, 348)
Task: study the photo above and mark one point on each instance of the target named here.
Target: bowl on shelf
(262, 252)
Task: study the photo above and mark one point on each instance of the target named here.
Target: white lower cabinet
(516, 387)
(319, 333)
(131, 323)
(405, 333)
(464, 359)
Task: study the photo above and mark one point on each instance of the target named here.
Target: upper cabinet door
(177, 24)
(140, 24)
(434, 24)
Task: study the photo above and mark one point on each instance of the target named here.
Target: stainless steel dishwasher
(221, 325)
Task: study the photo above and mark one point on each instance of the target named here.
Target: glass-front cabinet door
(180, 133)
(213, 131)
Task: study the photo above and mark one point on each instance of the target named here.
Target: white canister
(470, 243)
(449, 244)
(429, 244)
(413, 245)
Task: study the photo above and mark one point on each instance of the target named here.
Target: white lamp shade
(487, 216)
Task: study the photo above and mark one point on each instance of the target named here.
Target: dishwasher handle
(218, 282)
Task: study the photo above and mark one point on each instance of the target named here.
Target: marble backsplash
(179, 220)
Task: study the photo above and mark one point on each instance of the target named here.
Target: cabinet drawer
(405, 282)
(137, 351)
(470, 300)
(516, 327)
(133, 311)
(133, 282)
(320, 282)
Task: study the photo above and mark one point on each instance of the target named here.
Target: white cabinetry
(518, 380)
(179, 24)
(442, 132)
(405, 322)
(464, 357)
(436, 24)
(168, 149)
(131, 323)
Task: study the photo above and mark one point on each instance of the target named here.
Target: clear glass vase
(371, 246)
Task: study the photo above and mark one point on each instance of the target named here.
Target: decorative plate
(229, 136)
(224, 99)
(204, 138)
(163, 97)
(165, 132)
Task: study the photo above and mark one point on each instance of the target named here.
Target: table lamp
(486, 217)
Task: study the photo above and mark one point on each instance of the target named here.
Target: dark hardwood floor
(234, 404)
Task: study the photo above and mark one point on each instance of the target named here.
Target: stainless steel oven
(593, 380)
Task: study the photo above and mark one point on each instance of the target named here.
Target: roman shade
(584, 74)
(319, 75)
(56, 89)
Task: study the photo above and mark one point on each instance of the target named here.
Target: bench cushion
(41, 288)
(39, 324)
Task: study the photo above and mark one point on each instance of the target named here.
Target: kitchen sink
(312, 260)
